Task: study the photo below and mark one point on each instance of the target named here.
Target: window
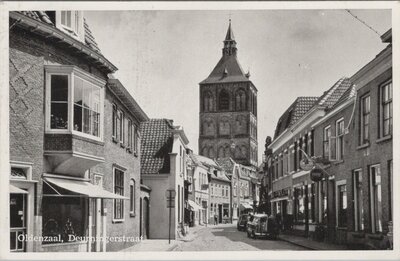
(132, 197)
(179, 203)
(364, 121)
(295, 157)
(130, 134)
(62, 216)
(341, 205)
(386, 109)
(121, 124)
(114, 122)
(327, 135)
(390, 185)
(240, 100)
(323, 202)
(234, 188)
(119, 190)
(71, 22)
(74, 102)
(376, 198)
(224, 100)
(135, 139)
(299, 198)
(208, 102)
(358, 200)
(190, 185)
(340, 139)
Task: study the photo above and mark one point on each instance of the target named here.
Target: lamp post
(170, 194)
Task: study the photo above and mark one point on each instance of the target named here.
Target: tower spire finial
(229, 42)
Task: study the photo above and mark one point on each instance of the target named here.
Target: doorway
(219, 213)
(17, 222)
(146, 215)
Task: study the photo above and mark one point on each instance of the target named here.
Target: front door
(17, 221)
(219, 213)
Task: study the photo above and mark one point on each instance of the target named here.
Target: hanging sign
(316, 174)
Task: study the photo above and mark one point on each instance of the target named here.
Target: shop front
(73, 216)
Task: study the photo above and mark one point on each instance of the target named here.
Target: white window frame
(115, 220)
(132, 198)
(374, 229)
(121, 133)
(26, 166)
(326, 138)
(77, 31)
(338, 122)
(363, 138)
(114, 122)
(381, 106)
(72, 72)
(339, 184)
(130, 135)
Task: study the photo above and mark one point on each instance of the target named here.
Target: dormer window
(71, 22)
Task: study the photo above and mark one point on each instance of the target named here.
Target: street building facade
(220, 197)
(163, 169)
(228, 110)
(331, 163)
(63, 183)
(199, 191)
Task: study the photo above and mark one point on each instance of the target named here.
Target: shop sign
(316, 174)
(280, 193)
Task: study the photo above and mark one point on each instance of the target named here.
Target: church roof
(228, 68)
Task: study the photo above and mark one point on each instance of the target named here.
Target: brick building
(163, 167)
(60, 137)
(346, 134)
(228, 110)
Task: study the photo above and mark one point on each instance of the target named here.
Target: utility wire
(372, 29)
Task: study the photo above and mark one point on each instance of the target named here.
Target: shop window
(74, 102)
(386, 108)
(358, 200)
(341, 207)
(119, 190)
(323, 201)
(364, 119)
(299, 202)
(63, 218)
(375, 198)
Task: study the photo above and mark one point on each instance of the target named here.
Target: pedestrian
(215, 219)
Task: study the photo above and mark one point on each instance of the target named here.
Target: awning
(15, 190)
(194, 206)
(245, 205)
(83, 188)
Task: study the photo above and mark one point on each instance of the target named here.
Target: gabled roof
(227, 69)
(295, 111)
(156, 144)
(42, 23)
(331, 96)
(220, 176)
(45, 18)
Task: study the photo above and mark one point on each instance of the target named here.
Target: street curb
(297, 244)
(172, 248)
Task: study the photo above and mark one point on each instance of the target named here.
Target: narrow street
(228, 238)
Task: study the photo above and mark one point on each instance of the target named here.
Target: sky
(163, 55)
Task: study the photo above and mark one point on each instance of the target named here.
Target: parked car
(242, 222)
(262, 226)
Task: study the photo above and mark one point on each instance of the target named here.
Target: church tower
(228, 109)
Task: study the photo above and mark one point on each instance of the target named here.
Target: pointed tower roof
(228, 68)
(229, 34)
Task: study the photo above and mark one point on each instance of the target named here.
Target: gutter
(49, 31)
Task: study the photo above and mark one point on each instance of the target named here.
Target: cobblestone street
(228, 238)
